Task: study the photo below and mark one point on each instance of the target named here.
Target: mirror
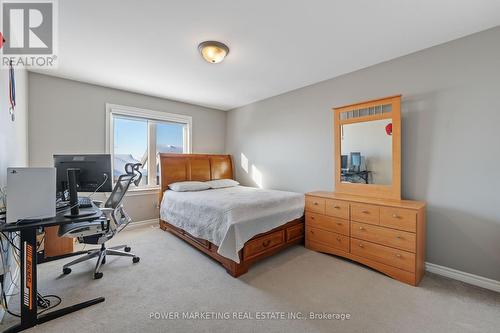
(366, 152)
(367, 140)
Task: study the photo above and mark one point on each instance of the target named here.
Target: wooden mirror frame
(392, 191)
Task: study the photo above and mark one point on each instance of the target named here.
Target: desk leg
(29, 288)
(28, 281)
(69, 309)
(28, 278)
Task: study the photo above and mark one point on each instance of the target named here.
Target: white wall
(371, 140)
(68, 117)
(450, 142)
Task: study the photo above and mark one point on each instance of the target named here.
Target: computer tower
(31, 194)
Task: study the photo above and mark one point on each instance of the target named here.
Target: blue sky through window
(131, 137)
(169, 137)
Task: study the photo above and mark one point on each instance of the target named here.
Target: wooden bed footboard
(257, 248)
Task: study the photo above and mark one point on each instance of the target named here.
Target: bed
(236, 226)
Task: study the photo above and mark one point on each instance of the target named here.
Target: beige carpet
(174, 277)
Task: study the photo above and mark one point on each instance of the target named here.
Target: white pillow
(221, 183)
(188, 186)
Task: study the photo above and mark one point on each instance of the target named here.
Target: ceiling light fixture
(213, 52)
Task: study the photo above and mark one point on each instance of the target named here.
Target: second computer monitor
(94, 172)
(355, 161)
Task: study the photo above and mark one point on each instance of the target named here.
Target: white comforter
(228, 217)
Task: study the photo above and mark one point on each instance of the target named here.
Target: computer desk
(28, 292)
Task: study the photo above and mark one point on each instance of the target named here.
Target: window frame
(151, 116)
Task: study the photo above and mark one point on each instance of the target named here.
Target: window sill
(143, 191)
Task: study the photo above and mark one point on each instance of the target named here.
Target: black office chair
(113, 220)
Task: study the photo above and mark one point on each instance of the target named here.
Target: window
(137, 136)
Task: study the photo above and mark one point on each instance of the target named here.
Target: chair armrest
(106, 209)
(98, 203)
(107, 212)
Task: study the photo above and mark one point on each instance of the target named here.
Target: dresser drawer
(263, 244)
(315, 205)
(295, 232)
(340, 242)
(328, 238)
(365, 213)
(328, 223)
(399, 239)
(383, 254)
(337, 208)
(398, 218)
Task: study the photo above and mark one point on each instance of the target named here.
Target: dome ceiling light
(213, 52)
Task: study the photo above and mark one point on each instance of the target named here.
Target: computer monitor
(355, 161)
(343, 162)
(94, 172)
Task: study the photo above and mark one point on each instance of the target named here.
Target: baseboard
(10, 292)
(473, 279)
(144, 222)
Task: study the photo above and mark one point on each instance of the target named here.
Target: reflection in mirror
(366, 152)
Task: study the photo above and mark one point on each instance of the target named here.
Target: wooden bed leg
(236, 270)
(163, 226)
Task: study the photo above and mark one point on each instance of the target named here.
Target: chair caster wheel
(97, 275)
(127, 249)
(135, 260)
(66, 270)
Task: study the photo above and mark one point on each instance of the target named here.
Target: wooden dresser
(387, 235)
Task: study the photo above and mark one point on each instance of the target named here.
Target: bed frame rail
(257, 248)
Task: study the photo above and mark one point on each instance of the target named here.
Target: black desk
(28, 292)
(346, 175)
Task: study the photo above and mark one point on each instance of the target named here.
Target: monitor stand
(73, 195)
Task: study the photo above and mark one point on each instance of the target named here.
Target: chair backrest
(120, 218)
(123, 183)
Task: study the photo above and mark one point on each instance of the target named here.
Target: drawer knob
(312, 217)
(399, 237)
(361, 245)
(338, 239)
(315, 203)
(396, 216)
(336, 207)
(365, 212)
(398, 255)
(266, 243)
(339, 223)
(361, 228)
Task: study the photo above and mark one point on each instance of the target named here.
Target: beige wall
(68, 117)
(450, 138)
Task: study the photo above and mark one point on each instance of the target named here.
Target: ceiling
(276, 46)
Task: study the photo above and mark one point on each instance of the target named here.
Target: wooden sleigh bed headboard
(201, 167)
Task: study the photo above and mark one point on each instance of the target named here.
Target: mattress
(228, 217)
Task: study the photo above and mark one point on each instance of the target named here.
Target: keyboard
(84, 202)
